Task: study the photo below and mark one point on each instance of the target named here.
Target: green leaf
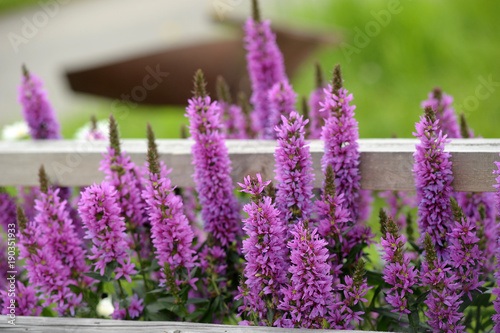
(75, 289)
(110, 268)
(98, 277)
(198, 301)
(47, 312)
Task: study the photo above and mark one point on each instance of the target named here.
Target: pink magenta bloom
(282, 101)
(212, 167)
(433, 177)
(445, 113)
(307, 298)
(170, 230)
(265, 251)
(37, 110)
(265, 68)
(294, 173)
(105, 226)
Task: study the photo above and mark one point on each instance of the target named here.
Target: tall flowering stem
(265, 253)
(293, 170)
(37, 110)
(340, 135)
(170, 231)
(397, 271)
(333, 219)
(45, 270)
(443, 301)
(433, 177)
(444, 111)
(101, 216)
(496, 289)
(220, 208)
(123, 175)
(265, 67)
(308, 296)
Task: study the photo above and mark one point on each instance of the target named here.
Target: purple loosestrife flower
(315, 99)
(282, 100)
(26, 301)
(170, 230)
(265, 252)
(306, 300)
(58, 232)
(397, 271)
(399, 203)
(443, 301)
(333, 219)
(340, 134)
(212, 167)
(433, 177)
(8, 209)
(293, 170)
(45, 271)
(496, 289)
(441, 105)
(341, 313)
(37, 110)
(100, 212)
(265, 68)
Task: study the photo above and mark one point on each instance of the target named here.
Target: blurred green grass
(445, 43)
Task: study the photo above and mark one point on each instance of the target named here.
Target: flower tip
(26, 73)
(318, 71)
(337, 79)
(255, 11)
(200, 85)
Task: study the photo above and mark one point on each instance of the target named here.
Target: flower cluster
(265, 252)
(293, 170)
(101, 215)
(433, 177)
(282, 100)
(440, 103)
(265, 68)
(220, 209)
(37, 110)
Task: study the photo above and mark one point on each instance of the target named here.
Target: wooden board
(83, 325)
(386, 164)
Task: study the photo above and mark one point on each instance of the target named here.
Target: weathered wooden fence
(386, 164)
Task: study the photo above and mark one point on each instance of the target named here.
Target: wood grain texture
(386, 164)
(84, 325)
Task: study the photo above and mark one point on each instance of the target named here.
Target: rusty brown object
(132, 79)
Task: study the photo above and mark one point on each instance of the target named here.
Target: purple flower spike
(282, 100)
(496, 289)
(170, 230)
(445, 113)
(212, 168)
(315, 100)
(100, 214)
(265, 67)
(340, 134)
(294, 173)
(265, 252)
(37, 110)
(433, 177)
(307, 299)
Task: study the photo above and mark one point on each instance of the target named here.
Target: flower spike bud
(93, 123)
(184, 134)
(200, 85)
(438, 94)
(430, 252)
(458, 214)
(153, 156)
(392, 227)
(329, 187)
(359, 273)
(383, 222)
(43, 179)
(255, 11)
(430, 114)
(223, 91)
(305, 108)
(464, 127)
(22, 220)
(337, 79)
(26, 73)
(320, 80)
(114, 136)
(270, 191)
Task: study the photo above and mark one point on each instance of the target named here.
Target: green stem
(122, 296)
(478, 319)
(141, 264)
(367, 316)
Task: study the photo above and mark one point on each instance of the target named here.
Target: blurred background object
(393, 53)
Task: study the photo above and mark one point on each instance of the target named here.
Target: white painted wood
(385, 163)
(84, 325)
